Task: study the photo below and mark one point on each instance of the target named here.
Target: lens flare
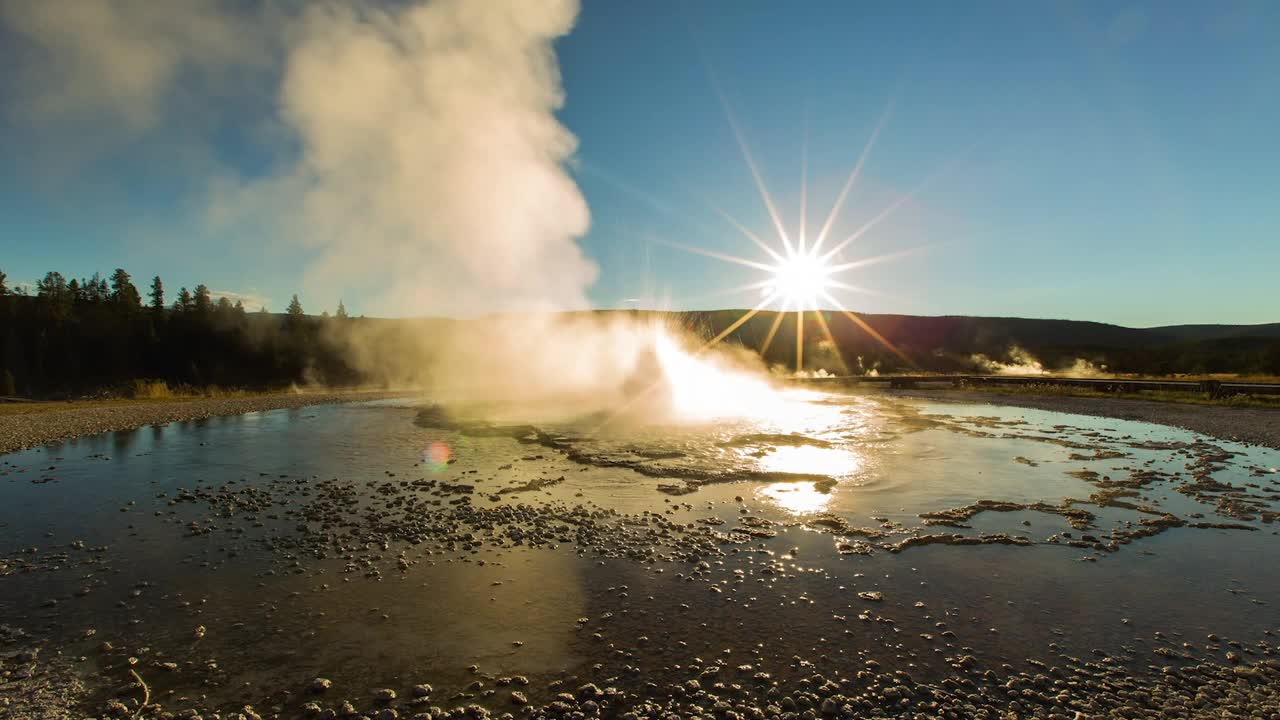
(437, 456)
(799, 281)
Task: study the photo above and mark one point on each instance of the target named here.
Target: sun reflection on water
(806, 497)
(801, 498)
(833, 462)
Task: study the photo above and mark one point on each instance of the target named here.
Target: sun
(802, 275)
(799, 281)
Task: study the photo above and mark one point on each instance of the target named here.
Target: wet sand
(1251, 425)
(19, 430)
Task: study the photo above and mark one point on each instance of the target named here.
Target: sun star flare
(799, 281)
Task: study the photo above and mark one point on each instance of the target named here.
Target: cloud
(252, 301)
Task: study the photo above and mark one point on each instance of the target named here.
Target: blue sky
(1088, 160)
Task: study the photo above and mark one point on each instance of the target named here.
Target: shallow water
(280, 534)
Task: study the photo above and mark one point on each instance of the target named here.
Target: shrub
(151, 389)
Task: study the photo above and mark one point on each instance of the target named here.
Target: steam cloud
(417, 160)
(1022, 362)
(431, 169)
(119, 60)
(418, 156)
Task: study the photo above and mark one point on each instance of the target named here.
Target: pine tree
(4, 289)
(123, 293)
(55, 295)
(52, 286)
(342, 311)
(294, 315)
(157, 295)
(203, 300)
(184, 302)
(95, 288)
(223, 310)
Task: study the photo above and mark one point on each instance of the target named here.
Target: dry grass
(145, 393)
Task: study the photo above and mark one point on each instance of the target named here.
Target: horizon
(765, 311)
(1048, 162)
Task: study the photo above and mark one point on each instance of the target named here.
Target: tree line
(72, 337)
(76, 336)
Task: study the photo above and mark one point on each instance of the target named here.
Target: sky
(1105, 161)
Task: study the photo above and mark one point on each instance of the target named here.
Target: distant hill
(952, 343)
(947, 343)
(1218, 332)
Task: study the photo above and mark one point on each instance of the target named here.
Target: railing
(1214, 388)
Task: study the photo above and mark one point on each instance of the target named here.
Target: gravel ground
(1252, 425)
(394, 528)
(23, 430)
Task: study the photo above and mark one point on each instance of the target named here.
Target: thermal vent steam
(431, 172)
(411, 157)
(408, 153)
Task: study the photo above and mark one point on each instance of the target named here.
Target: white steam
(414, 160)
(431, 172)
(1022, 362)
(119, 61)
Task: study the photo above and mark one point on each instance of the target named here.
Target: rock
(320, 684)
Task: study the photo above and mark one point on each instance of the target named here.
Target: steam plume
(416, 160)
(431, 164)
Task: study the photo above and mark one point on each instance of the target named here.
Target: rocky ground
(32, 687)
(50, 423)
(387, 529)
(1251, 425)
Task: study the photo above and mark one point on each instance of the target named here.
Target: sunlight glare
(798, 498)
(835, 462)
(800, 280)
(702, 389)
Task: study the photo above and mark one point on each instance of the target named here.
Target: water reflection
(515, 609)
(800, 498)
(807, 459)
